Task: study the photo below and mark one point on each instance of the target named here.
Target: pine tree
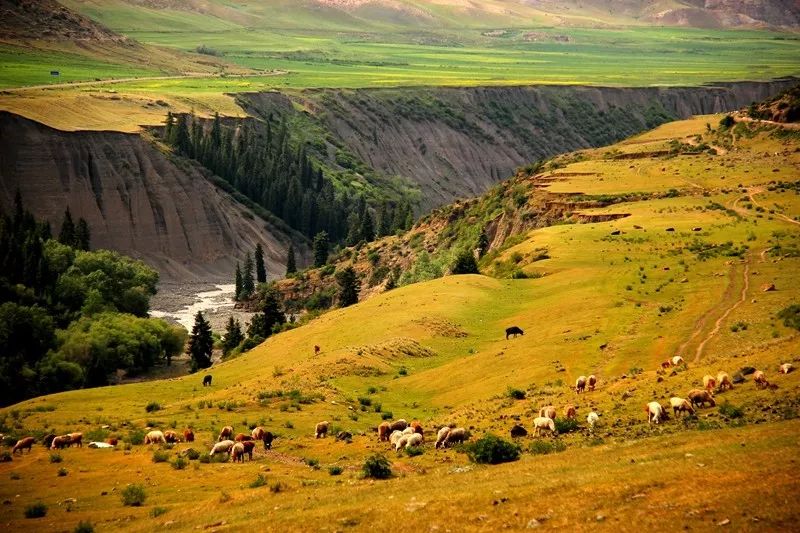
(367, 227)
(261, 271)
(321, 249)
(465, 263)
(67, 233)
(248, 286)
(82, 235)
(169, 128)
(291, 267)
(384, 221)
(353, 229)
(201, 343)
(349, 286)
(483, 244)
(233, 336)
(237, 295)
(181, 140)
(263, 323)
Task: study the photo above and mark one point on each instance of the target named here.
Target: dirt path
(718, 322)
(753, 192)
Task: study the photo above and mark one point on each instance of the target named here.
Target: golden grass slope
(613, 305)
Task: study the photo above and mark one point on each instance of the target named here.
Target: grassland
(615, 305)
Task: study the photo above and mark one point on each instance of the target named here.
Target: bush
(84, 527)
(36, 510)
(377, 467)
(205, 458)
(55, 458)
(566, 425)
(5, 457)
(160, 456)
(464, 263)
(313, 463)
(491, 449)
(730, 411)
(192, 454)
(276, 487)
(62, 472)
(134, 495)
(335, 470)
(136, 437)
(387, 415)
(152, 406)
(179, 463)
(515, 394)
(414, 451)
(259, 481)
(158, 511)
(366, 402)
(543, 447)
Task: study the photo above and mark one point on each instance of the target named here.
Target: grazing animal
(258, 433)
(155, 437)
(418, 429)
(570, 411)
(408, 431)
(580, 385)
(237, 454)
(60, 442)
(77, 439)
(267, 440)
(666, 364)
(441, 435)
(655, 412)
(401, 442)
(518, 431)
(172, 436)
(112, 441)
(415, 439)
(207, 380)
(321, 430)
(384, 430)
(786, 368)
(222, 447)
(701, 397)
(241, 437)
(249, 446)
(398, 425)
(760, 379)
(724, 381)
(541, 423)
(395, 436)
(591, 381)
(548, 412)
(317, 349)
(709, 382)
(592, 419)
(680, 405)
(455, 436)
(188, 435)
(678, 360)
(23, 444)
(48, 440)
(514, 331)
(345, 436)
(225, 434)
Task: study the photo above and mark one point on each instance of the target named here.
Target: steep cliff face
(457, 142)
(136, 199)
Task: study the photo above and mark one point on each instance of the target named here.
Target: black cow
(518, 431)
(207, 380)
(513, 330)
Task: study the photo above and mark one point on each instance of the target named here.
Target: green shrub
(566, 425)
(366, 402)
(192, 454)
(136, 437)
(729, 410)
(5, 456)
(205, 458)
(134, 495)
(160, 456)
(36, 510)
(259, 481)
(152, 406)
(515, 394)
(62, 472)
(158, 511)
(179, 463)
(543, 447)
(414, 451)
(491, 449)
(377, 467)
(387, 415)
(313, 463)
(55, 458)
(84, 527)
(335, 470)
(276, 487)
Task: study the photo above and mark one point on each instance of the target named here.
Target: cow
(514, 330)
(207, 380)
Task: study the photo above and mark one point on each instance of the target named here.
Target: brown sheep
(77, 439)
(679, 405)
(171, 436)
(548, 412)
(417, 427)
(249, 446)
(701, 397)
(321, 430)
(225, 434)
(455, 436)
(60, 442)
(112, 441)
(570, 411)
(666, 364)
(760, 379)
(237, 454)
(398, 425)
(258, 433)
(317, 349)
(384, 430)
(580, 384)
(188, 435)
(724, 381)
(591, 381)
(241, 437)
(23, 444)
(709, 382)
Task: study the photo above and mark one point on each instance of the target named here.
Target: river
(218, 301)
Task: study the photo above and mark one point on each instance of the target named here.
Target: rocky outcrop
(457, 142)
(137, 200)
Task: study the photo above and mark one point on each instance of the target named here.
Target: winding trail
(718, 322)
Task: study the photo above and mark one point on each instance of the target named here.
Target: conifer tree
(263, 323)
(291, 267)
(233, 335)
(483, 244)
(169, 128)
(367, 227)
(67, 233)
(180, 137)
(82, 235)
(465, 263)
(349, 286)
(238, 290)
(201, 343)
(248, 286)
(321, 249)
(384, 221)
(261, 271)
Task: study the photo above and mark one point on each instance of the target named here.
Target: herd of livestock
(401, 434)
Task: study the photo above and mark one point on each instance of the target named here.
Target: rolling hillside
(704, 219)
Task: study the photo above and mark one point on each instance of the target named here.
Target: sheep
(441, 435)
(241, 437)
(257, 433)
(76, 438)
(548, 412)
(580, 384)
(408, 431)
(225, 434)
(60, 442)
(760, 379)
(401, 442)
(188, 435)
(321, 430)
(680, 405)
(237, 454)
(592, 419)
(113, 441)
(48, 439)
(591, 381)
(23, 444)
(655, 412)
(543, 422)
(456, 435)
(518, 431)
(786, 368)
(666, 364)
(418, 429)
(399, 425)
(699, 397)
(249, 446)
(415, 439)
(384, 430)
(155, 437)
(709, 382)
(677, 361)
(570, 411)
(724, 381)
(222, 447)
(394, 437)
(171, 436)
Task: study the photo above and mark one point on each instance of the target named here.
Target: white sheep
(680, 405)
(724, 381)
(222, 447)
(786, 368)
(592, 419)
(401, 442)
(415, 439)
(155, 437)
(580, 384)
(408, 431)
(395, 436)
(441, 436)
(543, 422)
(677, 360)
(654, 411)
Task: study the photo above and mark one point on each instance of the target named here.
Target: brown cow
(22, 444)
(666, 364)
(112, 441)
(171, 436)
(591, 381)
(701, 397)
(241, 437)
(317, 349)
(418, 428)
(188, 435)
(384, 430)
(399, 425)
(60, 442)
(225, 434)
(48, 440)
(238, 453)
(77, 439)
(249, 446)
(570, 411)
